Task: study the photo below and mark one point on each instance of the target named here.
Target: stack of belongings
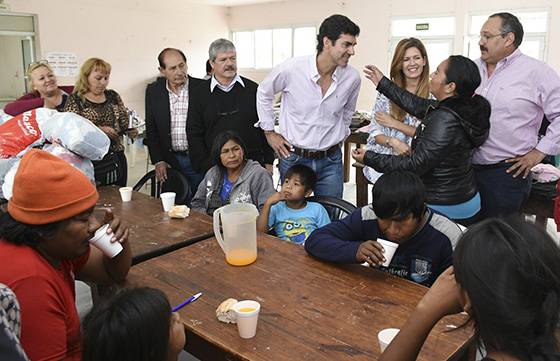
(69, 136)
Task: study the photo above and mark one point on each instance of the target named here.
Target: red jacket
(32, 101)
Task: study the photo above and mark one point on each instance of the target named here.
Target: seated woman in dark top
(234, 178)
(506, 277)
(103, 107)
(443, 144)
(45, 91)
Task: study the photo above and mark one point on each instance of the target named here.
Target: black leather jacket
(442, 146)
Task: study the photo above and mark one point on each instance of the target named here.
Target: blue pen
(189, 300)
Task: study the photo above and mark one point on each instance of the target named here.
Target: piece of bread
(179, 212)
(225, 312)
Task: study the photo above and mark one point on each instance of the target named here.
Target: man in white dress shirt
(319, 94)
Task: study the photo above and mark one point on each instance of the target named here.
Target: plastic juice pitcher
(239, 224)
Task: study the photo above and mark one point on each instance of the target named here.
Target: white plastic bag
(5, 166)
(8, 184)
(70, 130)
(77, 134)
(4, 117)
(83, 164)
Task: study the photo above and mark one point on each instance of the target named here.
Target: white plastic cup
(247, 315)
(386, 336)
(168, 200)
(102, 241)
(390, 248)
(126, 193)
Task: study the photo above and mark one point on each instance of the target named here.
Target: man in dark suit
(225, 102)
(167, 103)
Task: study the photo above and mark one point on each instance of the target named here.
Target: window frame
(271, 28)
(543, 37)
(448, 38)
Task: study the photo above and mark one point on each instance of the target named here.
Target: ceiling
(233, 2)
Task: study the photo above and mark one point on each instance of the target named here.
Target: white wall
(129, 34)
(374, 18)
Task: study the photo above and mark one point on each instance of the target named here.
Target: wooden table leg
(361, 186)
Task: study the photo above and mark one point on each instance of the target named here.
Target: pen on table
(189, 300)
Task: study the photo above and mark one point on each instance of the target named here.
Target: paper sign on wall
(63, 64)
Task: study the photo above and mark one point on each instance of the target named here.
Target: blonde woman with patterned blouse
(103, 107)
(392, 131)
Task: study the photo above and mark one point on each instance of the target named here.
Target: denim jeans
(193, 177)
(328, 170)
(500, 193)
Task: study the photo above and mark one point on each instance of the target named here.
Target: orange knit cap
(47, 189)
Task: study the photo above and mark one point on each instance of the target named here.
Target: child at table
(137, 325)
(506, 276)
(398, 214)
(292, 217)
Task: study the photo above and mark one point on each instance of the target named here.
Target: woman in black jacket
(443, 144)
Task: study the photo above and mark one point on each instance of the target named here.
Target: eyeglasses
(486, 37)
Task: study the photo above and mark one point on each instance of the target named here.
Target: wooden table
(152, 231)
(310, 310)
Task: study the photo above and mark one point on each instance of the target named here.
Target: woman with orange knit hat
(44, 245)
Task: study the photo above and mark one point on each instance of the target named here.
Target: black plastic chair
(336, 208)
(176, 182)
(111, 170)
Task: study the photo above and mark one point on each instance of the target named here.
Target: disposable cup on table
(102, 241)
(126, 193)
(386, 336)
(390, 248)
(247, 316)
(167, 200)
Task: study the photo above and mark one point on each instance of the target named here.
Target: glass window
(305, 41)
(245, 45)
(535, 25)
(266, 48)
(16, 23)
(263, 49)
(533, 22)
(281, 45)
(436, 33)
(437, 51)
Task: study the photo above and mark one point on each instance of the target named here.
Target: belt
(186, 151)
(501, 164)
(315, 154)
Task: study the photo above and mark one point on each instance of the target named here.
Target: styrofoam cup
(390, 248)
(168, 200)
(102, 241)
(247, 320)
(126, 193)
(386, 336)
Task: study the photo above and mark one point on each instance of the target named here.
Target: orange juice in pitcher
(239, 223)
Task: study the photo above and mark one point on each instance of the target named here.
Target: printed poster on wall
(63, 64)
